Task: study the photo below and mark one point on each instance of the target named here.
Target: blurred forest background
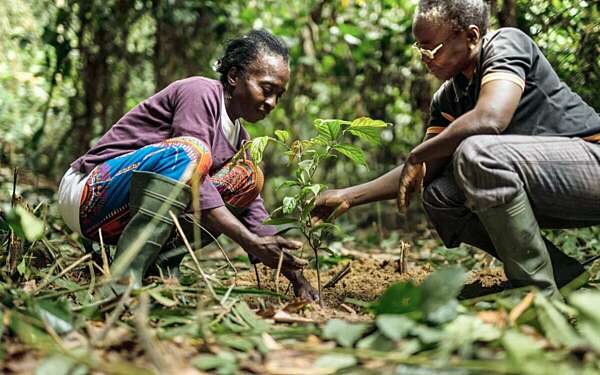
(69, 69)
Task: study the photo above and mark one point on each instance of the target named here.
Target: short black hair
(245, 49)
(459, 13)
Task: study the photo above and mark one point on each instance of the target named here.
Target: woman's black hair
(245, 49)
(459, 13)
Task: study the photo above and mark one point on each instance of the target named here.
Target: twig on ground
(279, 263)
(189, 248)
(338, 276)
(103, 253)
(257, 277)
(49, 281)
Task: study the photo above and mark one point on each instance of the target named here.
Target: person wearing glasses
(509, 148)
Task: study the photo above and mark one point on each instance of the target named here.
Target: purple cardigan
(189, 107)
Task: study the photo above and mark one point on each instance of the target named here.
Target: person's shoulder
(508, 33)
(199, 83)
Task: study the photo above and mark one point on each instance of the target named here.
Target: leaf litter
(386, 315)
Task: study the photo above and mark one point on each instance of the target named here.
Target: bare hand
(270, 248)
(302, 288)
(411, 181)
(329, 205)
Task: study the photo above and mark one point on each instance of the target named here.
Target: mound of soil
(368, 278)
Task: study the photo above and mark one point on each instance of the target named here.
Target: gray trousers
(560, 175)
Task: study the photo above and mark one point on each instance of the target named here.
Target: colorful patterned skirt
(105, 199)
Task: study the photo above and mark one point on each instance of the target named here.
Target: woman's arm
(267, 248)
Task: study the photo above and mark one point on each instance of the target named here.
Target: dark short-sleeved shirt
(547, 106)
(189, 107)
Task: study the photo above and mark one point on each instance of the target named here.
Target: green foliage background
(70, 68)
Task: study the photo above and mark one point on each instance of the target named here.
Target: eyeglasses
(429, 53)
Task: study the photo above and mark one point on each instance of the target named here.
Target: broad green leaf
(554, 324)
(288, 184)
(346, 334)
(370, 135)
(427, 335)
(330, 129)
(257, 324)
(25, 224)
(352, 152)
(368, 122)
(467, 329)
(336, 361)
(282, 135)
(289, 205)
(305, 165)
(400, 298)
(439, 293)
(521, 347)
(257, 148)
(394, 326)
(588, 304)
(375, 341)
(55, 313)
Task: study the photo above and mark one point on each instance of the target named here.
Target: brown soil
(368, 278)
(366, 281)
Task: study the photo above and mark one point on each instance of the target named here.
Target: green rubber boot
(151, 198)
(516, 235)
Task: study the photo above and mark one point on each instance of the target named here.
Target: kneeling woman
(143, 167)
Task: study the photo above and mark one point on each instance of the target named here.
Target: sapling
(305, 158)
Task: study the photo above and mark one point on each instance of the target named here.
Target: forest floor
(394, 311)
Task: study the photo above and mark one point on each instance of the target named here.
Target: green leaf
(282, 135)
(330, 129)
(280, 221)
(257, 324)
(370, 135)
(336, 361)
(346, 334)
(289, 205)
(305, 165)
(439, 293)
(25, 224)
(394, 326)
(160, 298)
(554, 324)
(352, 152)
(368, 122)
(427, 335)
(55, 313)
(60, 365)
(376, 341)
(588, 304)
(224, 362)
(288, 184)
(257, 148)
(400, 298)
(521, 347)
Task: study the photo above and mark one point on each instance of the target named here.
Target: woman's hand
(302, 288)
(269, 249)
(330, 204)
(411, 181)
